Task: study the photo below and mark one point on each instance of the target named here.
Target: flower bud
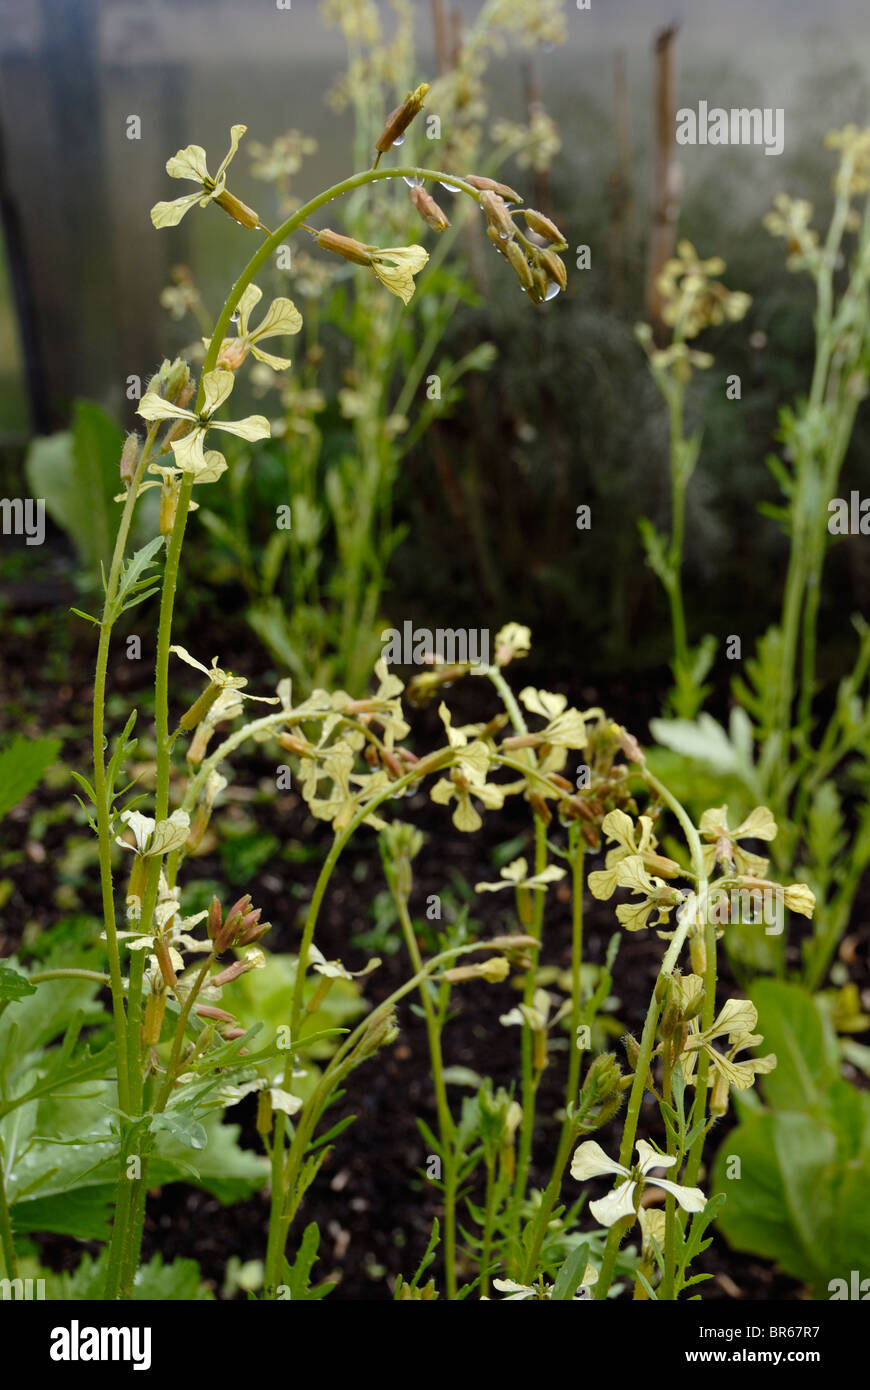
(129, 459)
(172, 379)
(497, 215)
(544, 227)
(398, 121)
(555, 267)
(517, 258)
(492, 186)
(431, 213)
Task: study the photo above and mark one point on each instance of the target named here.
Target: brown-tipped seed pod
(398, 121)
(544, 227)
(493, 186)
(431, 213)
(238, 211)
(346, 246)
(497, 215)
(555, 268)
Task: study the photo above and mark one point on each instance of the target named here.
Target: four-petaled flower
(736, 1021)
(758, 825)
(516, 875)
(590, 1161)
(155, 837)
(189, 450)
(224, 680)
(467, 779)
(281, 317)
(618, 826)
(190, 163)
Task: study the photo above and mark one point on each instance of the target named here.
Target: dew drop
(399, 140)
(451, 187)
(235, 316)
(505, 236)
(413, 183)
(552, 290)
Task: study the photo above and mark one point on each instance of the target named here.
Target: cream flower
(281, 317)
(736, 1021)
(513, 1291)
(155, 837)
(565, 728)
(590, 1161)
(619, 827)
(333, 969)
(396, 266)
(516, 875)
(189, 450)
(713, 825)
(224, 680)
(190, 163)
(657, 896)
(467, 779)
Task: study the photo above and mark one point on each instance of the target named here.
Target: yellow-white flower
(190, 449)
(396, 266)
(223, 679)
(467, 779)
(516, 875)
(155, 837)
(513, 1291)
(333, 969)
(590, 1161)
(190, 163)
(281, 317)
(758, 825)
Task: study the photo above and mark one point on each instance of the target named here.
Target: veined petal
(251, 296)
(590, 1161)
(215, 465)
(236, 134)
(689, 1198)
(278, 364)
(282, 316)
(169, 214)
(191, 660)
(216, 386)
(651, 1158)
(602, 883)
(141, 826)
(153, 407)
(617, 1204)
(189, 163)
(189, 452)
(252, 427)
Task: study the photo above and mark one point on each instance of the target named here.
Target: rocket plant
(179, 1049)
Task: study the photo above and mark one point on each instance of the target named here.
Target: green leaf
(76, 472)
(22, 766)
(297, 1277)
(14, 985)
(797, 1031)
(570, 1275)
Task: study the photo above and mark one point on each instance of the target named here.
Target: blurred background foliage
(475, 523)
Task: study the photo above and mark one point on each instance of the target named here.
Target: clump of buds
(172, 381)
(433, 215)
(241, 927)
(601, 1093)
(398, 121)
